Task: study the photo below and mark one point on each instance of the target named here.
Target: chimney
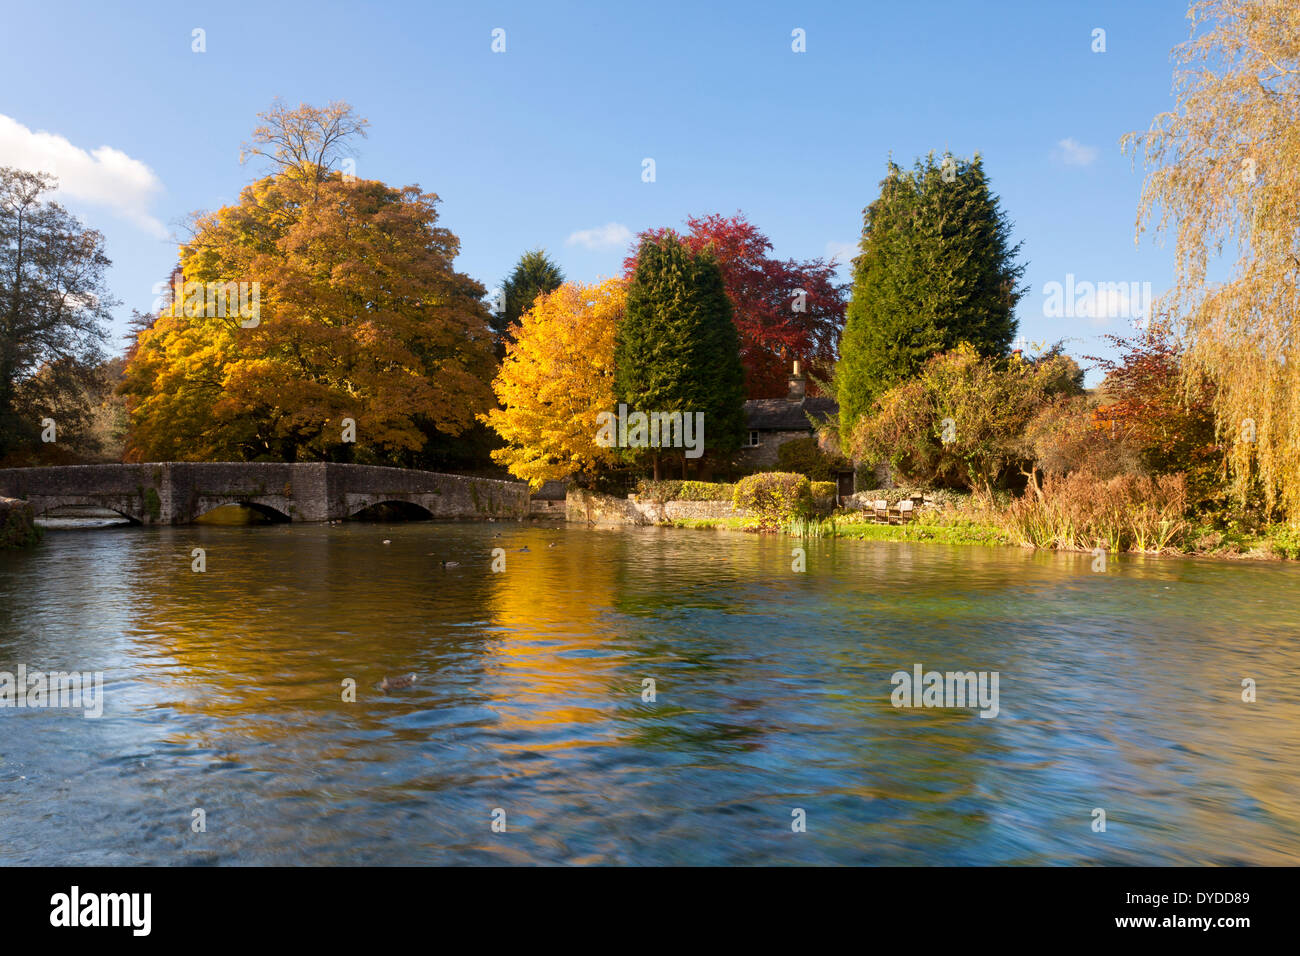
(797, 384)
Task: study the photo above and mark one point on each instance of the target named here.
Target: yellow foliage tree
(1226, 171)
(360, 315)
(558, 375)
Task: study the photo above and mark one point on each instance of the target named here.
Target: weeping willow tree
(1225, 177)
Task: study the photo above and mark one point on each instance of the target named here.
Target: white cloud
(609, 236)
(1074, 153)
(105, 176)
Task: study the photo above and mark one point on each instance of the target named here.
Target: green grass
(733, 524)
(956, 531)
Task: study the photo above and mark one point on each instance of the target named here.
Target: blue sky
(544, 143)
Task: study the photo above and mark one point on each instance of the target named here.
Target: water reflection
(224, 691)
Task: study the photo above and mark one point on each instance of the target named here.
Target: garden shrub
(773, 498)
(961, 421)
(804, 456)
(1286, 542)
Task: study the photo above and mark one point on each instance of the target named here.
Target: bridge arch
(275, 512)
(388, 509)
(42, 505)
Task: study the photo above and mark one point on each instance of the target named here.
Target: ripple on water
(771, 692)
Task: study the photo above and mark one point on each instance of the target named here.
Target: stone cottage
(771, 422)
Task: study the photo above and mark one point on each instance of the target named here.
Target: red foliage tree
(776, 323)
(1146, 396)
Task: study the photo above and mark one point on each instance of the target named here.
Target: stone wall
(552, 490)
(593, 508)
(691, 510)
(762, 457)
(17, 525)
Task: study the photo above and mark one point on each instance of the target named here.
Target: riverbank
(1116, 518)
(947, 528)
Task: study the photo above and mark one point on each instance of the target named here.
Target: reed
(1080, 512)
(811, 527)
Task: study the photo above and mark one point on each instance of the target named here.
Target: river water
(223, 692)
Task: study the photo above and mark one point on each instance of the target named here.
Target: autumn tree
(937, 268)
(783, 309)
(54, 304)
(82, 400)
(1066, 437)
(360, 315)
(1148, 398)
(306, 143)
(677, 350)
(532, 275)
(1225, 169)
(960, 421)
(557, 377)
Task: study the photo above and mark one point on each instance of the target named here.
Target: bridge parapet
(179, 492)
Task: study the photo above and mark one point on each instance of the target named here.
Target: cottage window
(753, 440)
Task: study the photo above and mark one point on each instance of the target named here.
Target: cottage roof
(783, 414)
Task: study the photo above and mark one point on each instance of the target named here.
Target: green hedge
(774, 498)
(662, 491)
(804, 456)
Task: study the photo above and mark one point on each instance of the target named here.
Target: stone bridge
(179, 492)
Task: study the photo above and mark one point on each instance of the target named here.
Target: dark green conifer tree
(677, 348)
(534, 274)
(937, 268)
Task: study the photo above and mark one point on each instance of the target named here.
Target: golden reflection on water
(550, 663)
